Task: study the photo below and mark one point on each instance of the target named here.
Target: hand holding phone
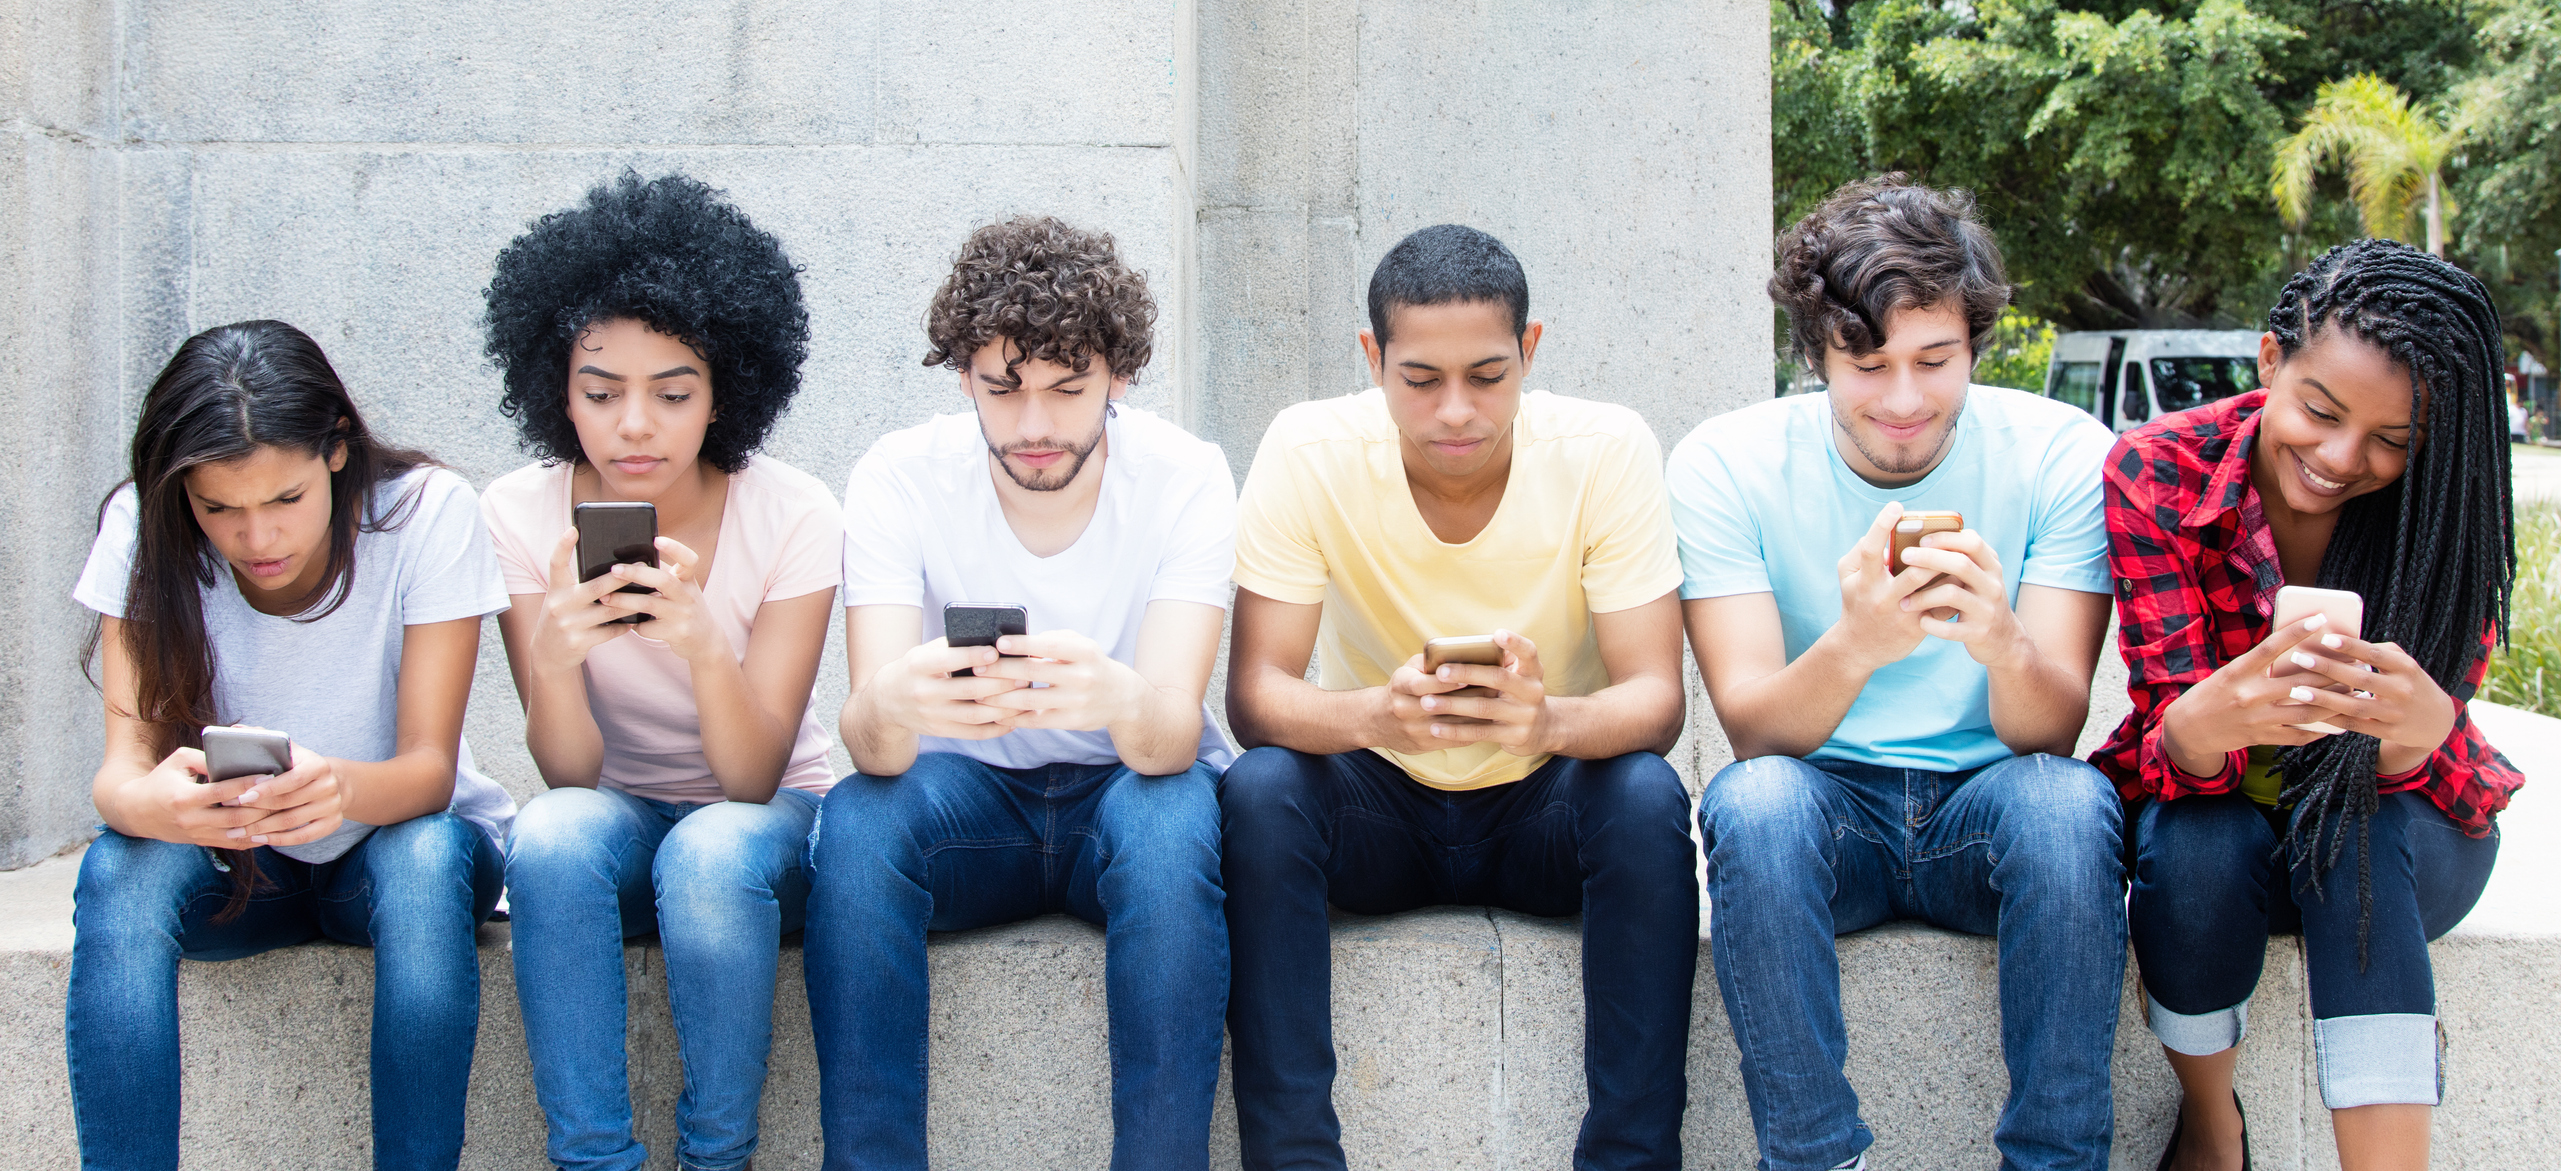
(1474, 649)
(975, 624)
(616, 532)
(1912, 526)
(2343, 612)
(241, 751)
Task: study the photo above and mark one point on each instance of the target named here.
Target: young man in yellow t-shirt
(1446, 501)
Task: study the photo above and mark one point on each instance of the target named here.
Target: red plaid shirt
(2196, 579)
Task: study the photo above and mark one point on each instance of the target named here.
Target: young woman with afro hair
(650, 336)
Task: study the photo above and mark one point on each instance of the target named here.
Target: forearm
(1266, 708)
(879, 747)
(560, 730)
(2037, 705)
(115, 791)
(1792, 711)
(746, 746)
(1640, 714)
(414, 783)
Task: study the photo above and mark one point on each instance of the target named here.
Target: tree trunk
(2436, 218)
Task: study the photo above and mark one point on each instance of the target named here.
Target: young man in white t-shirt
(1077, 769)
(1903, 737)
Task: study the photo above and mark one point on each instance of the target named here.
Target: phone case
(1475, 650)
(617, 532)
(245, 752)
(981, 624)
(1916, 525)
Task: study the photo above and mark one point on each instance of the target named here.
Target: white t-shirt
(779, 538)
(923, 527)
(333, 684)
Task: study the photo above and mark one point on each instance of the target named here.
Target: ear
(2271, 356)
(338, 457)
(1529, 346)
(1376, 356)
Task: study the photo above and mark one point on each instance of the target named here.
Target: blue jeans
(2207, 893)
(2027, 850)
(953, 844)
(1606, 838)
(413, 892)
(721, 883)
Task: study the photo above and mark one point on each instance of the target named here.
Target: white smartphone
(2346, 612)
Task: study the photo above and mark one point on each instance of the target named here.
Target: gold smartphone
(2346, 612)
(1915, 525)
(1474, 649)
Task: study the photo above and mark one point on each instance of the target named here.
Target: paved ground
(2537, 471)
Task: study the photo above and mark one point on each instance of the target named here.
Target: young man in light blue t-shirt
(1903, 739)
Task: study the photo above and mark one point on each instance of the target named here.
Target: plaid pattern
(2196, 579)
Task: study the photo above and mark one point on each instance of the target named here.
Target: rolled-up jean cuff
(2201, 1035)
(2386, 1058)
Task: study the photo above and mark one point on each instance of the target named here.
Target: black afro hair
(672, 254)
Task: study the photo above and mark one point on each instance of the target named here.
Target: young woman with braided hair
(2374, 460)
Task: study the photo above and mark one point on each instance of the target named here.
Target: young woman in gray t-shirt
(271, 563)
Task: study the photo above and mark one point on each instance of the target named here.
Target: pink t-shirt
(781, 536)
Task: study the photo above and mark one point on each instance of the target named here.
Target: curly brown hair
(1878, 245)
(1059, 293)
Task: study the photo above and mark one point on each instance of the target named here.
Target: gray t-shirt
(334, 684)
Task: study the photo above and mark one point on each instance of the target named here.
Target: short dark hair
(1059, 293)
(674, 255)
(1443, 264)
(1878, 245)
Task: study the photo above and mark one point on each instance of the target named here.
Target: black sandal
(2170, 1153)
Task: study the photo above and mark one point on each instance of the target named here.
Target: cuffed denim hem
(2202, 1035)
(2386, 1058)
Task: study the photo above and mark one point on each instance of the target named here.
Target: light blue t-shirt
(1763, 503)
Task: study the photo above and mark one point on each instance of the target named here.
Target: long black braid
(2434, 553)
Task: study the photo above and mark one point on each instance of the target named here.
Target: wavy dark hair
(1059, 293)
(676, 256)
(1878, 245)
(226, 393)
(2434, 552)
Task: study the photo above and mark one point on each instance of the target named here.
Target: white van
(2128, 377)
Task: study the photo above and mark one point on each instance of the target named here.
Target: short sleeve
(812, 545)
(1200, 557)
(1629, 554)
(109, 570)
(884, 562)
(1719, 535)
(2068, 547)
(508, 510)
(1277, 554)
(448, 570)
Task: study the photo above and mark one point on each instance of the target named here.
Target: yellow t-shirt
(1584, 527)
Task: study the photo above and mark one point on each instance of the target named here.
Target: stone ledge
(1459, 1033)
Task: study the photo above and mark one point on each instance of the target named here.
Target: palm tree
(2393, 156)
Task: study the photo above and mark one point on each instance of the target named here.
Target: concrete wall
(353, 168)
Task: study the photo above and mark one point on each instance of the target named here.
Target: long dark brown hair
(226, 393)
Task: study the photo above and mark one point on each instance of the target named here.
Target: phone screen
(614, 533)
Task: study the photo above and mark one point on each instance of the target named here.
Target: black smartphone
(617, 532)
(979, 624)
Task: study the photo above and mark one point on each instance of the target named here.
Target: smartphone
(2346, 612)
(1475, 649)
(980, 624)
(617, 532)
(241, 751)
(1916, 525)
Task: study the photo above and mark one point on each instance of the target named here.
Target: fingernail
(249, 797)
(2301, 694)
(261, 839)
(1427, 702)
(2304, 661)
(2316, 622)
(235, 832)
(1444, 673)
(2333, 641)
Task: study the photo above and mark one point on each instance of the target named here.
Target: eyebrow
(673, 372)
(1480, 363)
(1015, 381)
(2343, 407)
(604, 374)
(1941, 345)
(295, 490)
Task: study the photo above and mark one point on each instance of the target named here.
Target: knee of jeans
(1265, 787)
(2063, 806)
(1171, 821)
(731, 845)
(136, 884)
(867, 815)
(2213, 839)
(1765, 799)
(563, 831)
(427, 848)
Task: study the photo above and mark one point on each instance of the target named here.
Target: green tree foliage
(2509, 179)
(2394, 156)
(2123, 150)
(2021, 348)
